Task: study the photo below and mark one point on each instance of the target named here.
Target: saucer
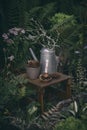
(45, 77)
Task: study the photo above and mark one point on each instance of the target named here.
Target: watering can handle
(33, 55)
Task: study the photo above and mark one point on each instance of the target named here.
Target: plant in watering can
(38, 35)
(55, 38)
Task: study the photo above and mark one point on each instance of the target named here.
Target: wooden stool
(41, 86)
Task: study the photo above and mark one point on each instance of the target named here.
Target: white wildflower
(77, 52)
(5, 36)
(11, 58)
(23, 31)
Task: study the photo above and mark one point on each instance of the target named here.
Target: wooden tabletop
(41, 84)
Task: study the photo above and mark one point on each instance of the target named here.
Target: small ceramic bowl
(45, 77)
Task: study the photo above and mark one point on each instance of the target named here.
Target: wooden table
(40, 86)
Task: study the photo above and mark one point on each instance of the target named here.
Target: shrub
(70, 123)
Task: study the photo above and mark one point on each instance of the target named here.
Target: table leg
(68, 88)
(40, 98)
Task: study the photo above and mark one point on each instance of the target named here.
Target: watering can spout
(33, 54)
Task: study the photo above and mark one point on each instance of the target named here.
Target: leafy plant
(16, 106)
(70, 124)
(75, 114)
(14, 13)
(64, 23)
(41, 13)
(78, 109)
(11, 85)
(15, 47)
(39, 35)
(51, 38)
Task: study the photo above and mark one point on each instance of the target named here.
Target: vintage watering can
(49, 61)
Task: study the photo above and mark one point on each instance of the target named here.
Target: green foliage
(58, 32)
(80, 12)
(77, 109)
(72, 41)
(31, 114)
(15, 47)
(61, 18)
(66, 6)
(64, 23)
(41, 13)
(16, 104)
(70, 124)
(4, 91)
(10, 86)
(31, 4)
(39, 35)
(68, 29)
(15, 13)
(47, 11)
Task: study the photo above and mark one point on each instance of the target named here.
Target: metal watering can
(48, 60)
